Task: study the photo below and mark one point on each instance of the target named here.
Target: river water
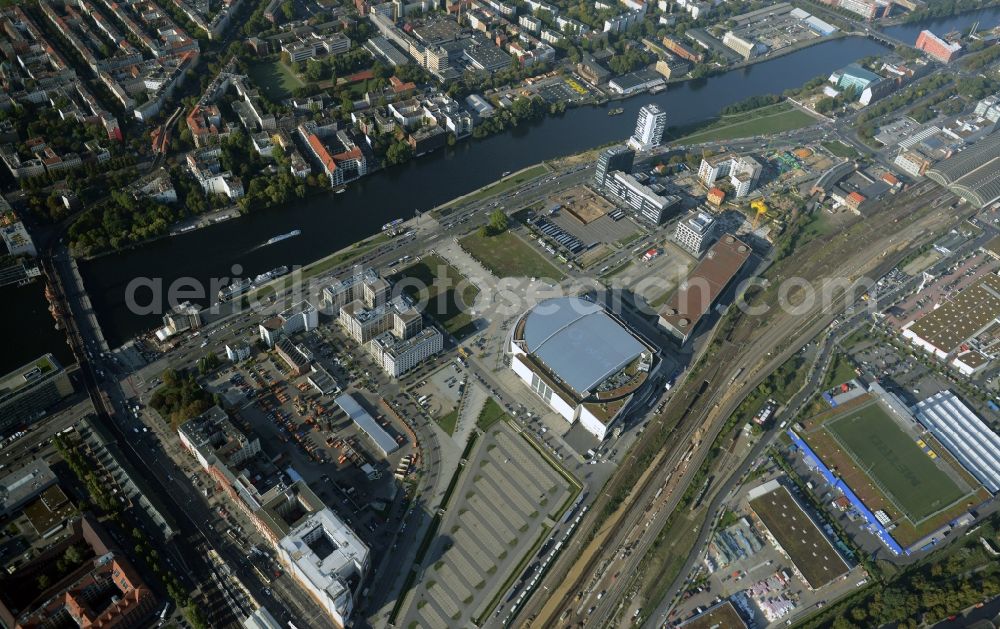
(987, 18)
(330, 222)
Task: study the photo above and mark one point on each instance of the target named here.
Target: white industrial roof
(578, 341)
(965, 435)
(383, 440)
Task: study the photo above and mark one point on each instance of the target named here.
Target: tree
(399, 152)
(314, 70)
(498, 221)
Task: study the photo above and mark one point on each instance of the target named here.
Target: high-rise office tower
(649, 128)
(613, 158)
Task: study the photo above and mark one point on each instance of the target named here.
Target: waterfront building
(614, 158)
(30, 390)
(647, 201)
(649, 128)
(943, 51)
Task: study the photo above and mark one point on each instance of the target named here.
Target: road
(774, 345)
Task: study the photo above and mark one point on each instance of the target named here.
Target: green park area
(275, 78)
(449, 295)
(761, 121)
(492, 413)
(839, 149)
(448, 422)
(506, 255)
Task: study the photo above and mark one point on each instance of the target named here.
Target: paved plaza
(507, 499)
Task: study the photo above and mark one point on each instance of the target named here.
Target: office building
(854, 77)
(649, 128)
(614, 158)
(329, 560)
(21, 486)
(695, 232)
(301, 317)
(15, 236)
(238, 352)
(362, 284)
(649, 202)
(865, 8)
(582, 360)
(743, 171)
(181, 318)
(943, 51)
(30, 390)
(318, 550)
(393, 333)
(396, 356)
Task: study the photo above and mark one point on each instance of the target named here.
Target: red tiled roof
(364, 75)
(322, 153)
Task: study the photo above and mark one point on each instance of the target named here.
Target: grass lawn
(447, 422)
(506, 255)
(840, 372)
(763, 121)
(442, 282)
(895, 462)
(491, 414)
(503, 185)
(275, 78)
(839, 149)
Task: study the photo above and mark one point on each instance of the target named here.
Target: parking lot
(499, 510)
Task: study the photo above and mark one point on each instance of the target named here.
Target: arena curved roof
(578, 341)
(974, 173)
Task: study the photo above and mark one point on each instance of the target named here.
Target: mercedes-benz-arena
(583, 361)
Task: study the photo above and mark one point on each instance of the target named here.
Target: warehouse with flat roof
(796, 534)
(945, 329)
(973, 174)
(694, 298)
(965, 435)
(367, 424)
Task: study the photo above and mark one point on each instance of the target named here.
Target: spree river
(330, 222)
(987, 18)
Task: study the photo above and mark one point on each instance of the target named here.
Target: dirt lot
(582, 203)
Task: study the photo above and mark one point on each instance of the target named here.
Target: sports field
(894, 462)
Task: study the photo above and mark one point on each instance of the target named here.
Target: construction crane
(761, 210)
